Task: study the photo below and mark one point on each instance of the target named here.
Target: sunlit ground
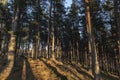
(42, 69)
(6, 69)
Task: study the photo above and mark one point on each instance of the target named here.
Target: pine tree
(95, 64)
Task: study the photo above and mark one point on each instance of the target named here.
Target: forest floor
(43, 69)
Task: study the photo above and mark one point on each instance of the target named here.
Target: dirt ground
(42, 69)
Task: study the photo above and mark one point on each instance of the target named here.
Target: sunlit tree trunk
(53, 36)
(12, 44)
(89, 50)
(53, 42)
(92, 46)
(38, 46)
(49, 30)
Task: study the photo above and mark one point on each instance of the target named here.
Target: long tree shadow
(81, 71)
(55, 71)
(65, 68)
(16, 72)
(104, 76)
(107, 76)
(29, 73)
(3, 64)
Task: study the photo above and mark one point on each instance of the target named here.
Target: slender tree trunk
(34, 50)
(38, 28)
(49, 29)
(95, 63)
(53, 36)
(77, 44)
(0, 37)
(117, 19)
(53, 42)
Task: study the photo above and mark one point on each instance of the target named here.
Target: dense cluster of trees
(87, 32)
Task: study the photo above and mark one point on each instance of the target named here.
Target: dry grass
(6, 69)
(67, 71)
(43, 69)
(40, 70)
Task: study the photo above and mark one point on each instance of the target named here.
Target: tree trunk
(117, 21)
(53, 36)
(38, 47)
(53, 41)
(95, 63)
(34, 50)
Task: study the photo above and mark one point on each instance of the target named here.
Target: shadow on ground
(81, 71)
(65, 68)
(16, 72)
(106, 76)
(4, 66)
(29, 73)
(62, 77)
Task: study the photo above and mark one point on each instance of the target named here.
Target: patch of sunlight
(4, 2)
(71, 72)
(24, 71)
(40, 70)
(5, 73)
(64, 72)
(12, 43)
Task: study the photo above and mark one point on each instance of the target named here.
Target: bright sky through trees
(68, 3)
